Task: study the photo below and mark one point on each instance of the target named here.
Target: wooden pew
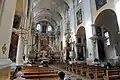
(112, 74)
(39, 73)
(74, 67)
(81, 69)
(38, 69)
(101, 73)
(41, 76)
(94, 72)
(78, 68)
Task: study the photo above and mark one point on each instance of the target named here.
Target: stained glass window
(107, 38)
(38, 27)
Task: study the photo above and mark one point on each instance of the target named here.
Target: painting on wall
(13, 47)
(100, 3)
(17, 20)
(79, 16)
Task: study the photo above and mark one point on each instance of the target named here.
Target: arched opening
(81, 42)
(106, 26)
(14, 38)
(13, 47)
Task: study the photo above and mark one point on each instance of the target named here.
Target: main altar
(44, 44)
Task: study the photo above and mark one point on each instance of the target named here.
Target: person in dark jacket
(61, 75)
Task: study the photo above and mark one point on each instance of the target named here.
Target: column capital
(25, 42)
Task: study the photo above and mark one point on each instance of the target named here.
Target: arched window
(49, 28)
(38, 27)
(107, 38)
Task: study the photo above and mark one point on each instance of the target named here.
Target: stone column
(50, 41)
(73, 25)
(26, 52)
(6, 30)
(39, 47)
(83, 47)
(111, 53)
(88, 28)
(94, 41)
(6, 24)
(57, 41)
(63, 52)
(19, 56)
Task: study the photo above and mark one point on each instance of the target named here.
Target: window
(107, 38)
(79, 1)
(49, 28)
(38, 27)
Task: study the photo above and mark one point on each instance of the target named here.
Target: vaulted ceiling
(48, 10)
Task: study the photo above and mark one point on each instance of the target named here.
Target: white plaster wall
(6, 23)
(88, 21)
(20, 51)
(110, 50)
(72, 19)
(117, 47)
(117, 10)
(63, 26)
(83, 21)
(95, 13)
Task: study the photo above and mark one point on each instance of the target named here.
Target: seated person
(32, 62)
(61, 75)
(19, 74)
(108, 65)
(96, 62)
(45, 64)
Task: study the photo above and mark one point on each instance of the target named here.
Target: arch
(81, 41)
(108, 20)
(46, 18)
(81, 31)
(13, 46)
(43, 11)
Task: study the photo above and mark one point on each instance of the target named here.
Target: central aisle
(69, 75)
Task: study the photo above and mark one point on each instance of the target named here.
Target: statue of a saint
(4, 48)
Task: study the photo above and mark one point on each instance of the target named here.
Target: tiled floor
(69, 75)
